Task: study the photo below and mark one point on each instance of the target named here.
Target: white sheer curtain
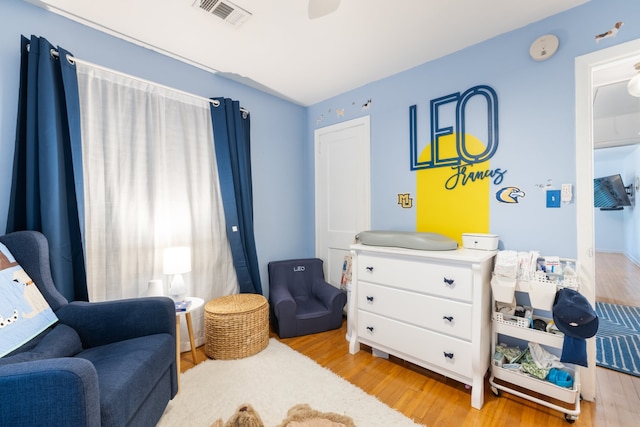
(150, 182)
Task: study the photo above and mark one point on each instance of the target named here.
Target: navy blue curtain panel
(231, 134)
(46, 191)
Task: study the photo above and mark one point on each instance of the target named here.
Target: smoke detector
(225, 10)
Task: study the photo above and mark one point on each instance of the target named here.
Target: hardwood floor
(617, 395)
(421, 395)
(617, 279)
(434, 400)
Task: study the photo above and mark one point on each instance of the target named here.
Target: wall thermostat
(544, 47)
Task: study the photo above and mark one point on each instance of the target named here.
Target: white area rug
(272, 381)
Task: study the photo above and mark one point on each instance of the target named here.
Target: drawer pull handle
(448, 318)
(370, 329)
(369, 298)
(449, 281)
(369, 269)
(448, 355)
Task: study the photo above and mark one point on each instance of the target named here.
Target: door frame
(366, 196)
(585, 65)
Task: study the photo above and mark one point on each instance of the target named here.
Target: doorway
(616, 138)
(585, 68)
(342, 200)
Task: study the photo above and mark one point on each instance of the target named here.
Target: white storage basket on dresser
(431, 308)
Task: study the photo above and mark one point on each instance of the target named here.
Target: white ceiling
(279, 49)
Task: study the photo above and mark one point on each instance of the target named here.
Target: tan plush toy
(304, 416)
(299, 416)
(245, 416)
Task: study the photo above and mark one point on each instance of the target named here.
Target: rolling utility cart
(535, 296)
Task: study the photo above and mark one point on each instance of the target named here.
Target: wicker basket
(236, 326)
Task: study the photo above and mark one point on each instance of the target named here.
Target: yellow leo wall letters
(453, 170)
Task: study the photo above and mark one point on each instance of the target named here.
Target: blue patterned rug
(618, 338)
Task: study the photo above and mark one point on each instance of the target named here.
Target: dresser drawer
(441, 279)
(431, 347)
(445, 316)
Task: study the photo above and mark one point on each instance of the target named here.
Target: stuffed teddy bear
(299, 416)
(245, 416)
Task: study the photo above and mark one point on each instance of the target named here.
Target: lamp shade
(177, 260)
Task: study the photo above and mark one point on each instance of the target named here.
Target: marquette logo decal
(405, 200)
(509, 194)
(450, 144)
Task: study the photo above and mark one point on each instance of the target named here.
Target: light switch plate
(567, 193)
(553, 198)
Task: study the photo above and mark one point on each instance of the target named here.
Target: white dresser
(430, 308)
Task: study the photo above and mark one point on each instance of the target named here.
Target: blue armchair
(102, 364)
(302, 302)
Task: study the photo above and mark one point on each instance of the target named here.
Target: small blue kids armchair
(102, 364)
(301, 301)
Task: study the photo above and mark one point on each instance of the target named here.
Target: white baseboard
(633, 260)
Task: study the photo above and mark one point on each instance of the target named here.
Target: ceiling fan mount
(320, 8)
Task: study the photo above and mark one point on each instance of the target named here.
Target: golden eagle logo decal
(509, 194)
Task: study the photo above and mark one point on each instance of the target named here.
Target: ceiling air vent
(225, 10)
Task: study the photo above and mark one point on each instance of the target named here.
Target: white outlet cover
(544, 47)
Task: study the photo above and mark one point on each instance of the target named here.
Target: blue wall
(277, 126)
(619, 231)
(609, 225)
(536, 121)
(632, 218)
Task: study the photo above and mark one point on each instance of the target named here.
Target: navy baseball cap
(573, 314)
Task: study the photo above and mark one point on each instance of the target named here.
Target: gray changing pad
(407, 239)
